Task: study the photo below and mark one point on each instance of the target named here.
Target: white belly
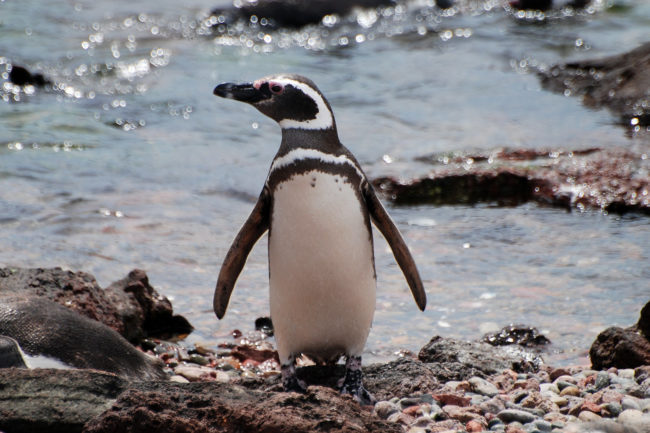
(321, 268)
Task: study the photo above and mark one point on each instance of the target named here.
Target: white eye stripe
(324, 118)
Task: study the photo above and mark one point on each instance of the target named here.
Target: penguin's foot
(290, 381)
(353, 384)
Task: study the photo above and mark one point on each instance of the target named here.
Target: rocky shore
(610, 180)
(449, 386)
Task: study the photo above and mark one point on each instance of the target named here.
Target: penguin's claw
(360, 394)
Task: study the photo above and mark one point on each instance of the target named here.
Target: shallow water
(131, 162)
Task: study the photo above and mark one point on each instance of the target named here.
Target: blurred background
(125, 159)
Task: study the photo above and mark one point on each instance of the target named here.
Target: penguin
(317, 205)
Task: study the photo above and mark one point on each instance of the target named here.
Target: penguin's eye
(276, 88)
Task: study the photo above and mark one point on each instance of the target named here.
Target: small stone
(474, 426)
(557, 372)
(178, 379)
(416, 429)
(462, 414)
(587, 416)
(401, 418)
(636, 418)
(514, 415)
(612, 409)
(422, 421)
(571, 390)
(561, 384)
(602, 380)
(542, 425)
(222, 377)
(493, 405)
(495, 422)
(483, 387)
(514, 428)
(626, 373)
(551, 387)
(198, 359)
(629, 403)
(408, 402)
(559, 400)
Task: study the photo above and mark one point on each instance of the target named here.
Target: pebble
(384, 409)
(629, 403)
(587, 416)
(483, 387)
(514, 415)
(571, 390)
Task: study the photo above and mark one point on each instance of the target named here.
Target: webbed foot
(353, 384)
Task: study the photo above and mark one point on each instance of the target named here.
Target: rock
(460, 360)
(515, 415)
(54, 401)
(384, 409)
(483, 387)
(611, 180)
(619, 347)
(293, 13)
(214, 407)
(21, 76)
(522, 335)
(129, 306)
(144, 312)
(463, 414)
(44, 328)
(643, 325)
(617, 82)
(401, 377)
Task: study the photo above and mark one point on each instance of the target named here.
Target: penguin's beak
(241, 92)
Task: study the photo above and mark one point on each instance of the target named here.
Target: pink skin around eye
(276, 87)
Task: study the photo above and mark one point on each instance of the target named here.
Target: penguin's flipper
(394, 238)
(253, 229)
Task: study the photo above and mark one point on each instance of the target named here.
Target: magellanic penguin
(317, 205)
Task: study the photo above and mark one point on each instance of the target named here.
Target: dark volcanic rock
(402, 377)
(460, 360)
(623, 347)
(213, 407)
(620, 348)
(21, 76)
(612, 180)
(130, 306)
(643, 325)
(54, 401)
(143, 310)
(522, 335)
(45, 328)
(295, 13)
(621, 83)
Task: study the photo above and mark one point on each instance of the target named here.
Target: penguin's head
(293, 101)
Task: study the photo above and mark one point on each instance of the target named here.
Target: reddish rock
(511, 428)
(620, 348)
(557, 372)
(463, 414)
(611, 180)
(474, 426)
(245, 352)
(130, 306)
(452, 399)
(215, 408)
